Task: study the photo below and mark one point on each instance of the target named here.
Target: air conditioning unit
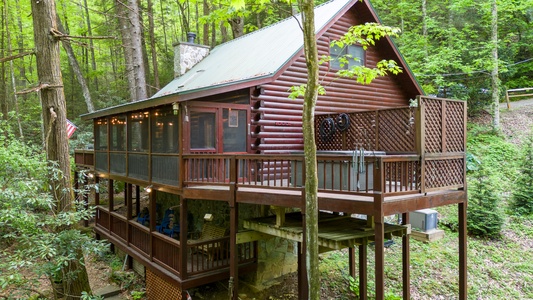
(424, 219)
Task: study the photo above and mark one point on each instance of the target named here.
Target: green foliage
(39, 237)
(485, 215)
(138, 295)
(522, 194)
(498, 155)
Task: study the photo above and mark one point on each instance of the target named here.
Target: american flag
(70, 128)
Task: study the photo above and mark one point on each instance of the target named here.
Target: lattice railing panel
(333, 142)
(397, 130)
(433, 122)
(455, 133)
(444, 173)
(158, 288)
(362, 132)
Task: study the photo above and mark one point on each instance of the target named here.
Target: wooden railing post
(184, 228)
(110, 200)
(421, 141)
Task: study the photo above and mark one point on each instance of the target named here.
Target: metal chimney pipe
(191, 36)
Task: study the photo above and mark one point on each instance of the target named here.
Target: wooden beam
(363, 271)
(463, 292)
(406, 265)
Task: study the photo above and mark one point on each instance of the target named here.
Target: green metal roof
(254, 56)
(261, 53)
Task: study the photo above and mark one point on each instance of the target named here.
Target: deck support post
(184, 226)
(110, 200)
(380, 257)
(234, 255)
(129, 200)
(85, 196)
(303, 284)
(363, 270)
(153, 218)
(137, 199)
(406, 257)
(462, 251)
(351, 261)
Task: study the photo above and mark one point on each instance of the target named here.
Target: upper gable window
(347, 57)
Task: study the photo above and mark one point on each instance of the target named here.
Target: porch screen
(203, 130)
(164, 131)
(118, 133)
(100, 131)
(138, 132)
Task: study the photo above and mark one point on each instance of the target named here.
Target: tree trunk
(91, 44)
(138, 69)
(12, 71)
(184, 9)
(311, 179)
(495, 80)
(237, 26)
(125, 32)
(4, 107)
(163, 25)
(54, 117)
(206, 24)
(76, 68)
(152, 46)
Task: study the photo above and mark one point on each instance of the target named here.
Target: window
(165, 131)
(347, 57)
(203, 130)
(118, 133)
(138, 128)
(101, 134)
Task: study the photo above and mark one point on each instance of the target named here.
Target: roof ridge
(271, 25)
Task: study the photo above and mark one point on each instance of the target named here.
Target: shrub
(484, 216)
(522, 194)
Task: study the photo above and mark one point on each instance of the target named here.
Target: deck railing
(357, 175)
(202, 257)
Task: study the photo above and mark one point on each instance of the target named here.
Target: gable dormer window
(344, 58)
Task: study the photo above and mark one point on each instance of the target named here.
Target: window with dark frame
(100, 138)
(354, 54)
(165, 131)
(138, 130)
(118, 133)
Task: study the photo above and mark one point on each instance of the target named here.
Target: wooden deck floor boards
(334, 231)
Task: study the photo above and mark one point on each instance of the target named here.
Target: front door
(217, 130)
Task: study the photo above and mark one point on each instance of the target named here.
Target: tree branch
(39, 87)
(13, 57)
(61, 36)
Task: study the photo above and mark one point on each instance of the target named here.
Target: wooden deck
(335, 232)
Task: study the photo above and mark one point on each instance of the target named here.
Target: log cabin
(213, 170)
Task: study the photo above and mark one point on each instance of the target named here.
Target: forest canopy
(446, 43)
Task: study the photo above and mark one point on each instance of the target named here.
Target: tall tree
(308, 117)
(125, 33)
(53, 105)
(151, 29)
(138, 67)
(494, 75)
(12, 69)
(91, 44)
(76, 68)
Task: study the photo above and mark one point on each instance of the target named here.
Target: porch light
(208, 217)
(90, 175)
(176, 108)
(148, 189)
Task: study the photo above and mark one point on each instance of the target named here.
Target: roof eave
(178, 97)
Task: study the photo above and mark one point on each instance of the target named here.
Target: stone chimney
(187, 54)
